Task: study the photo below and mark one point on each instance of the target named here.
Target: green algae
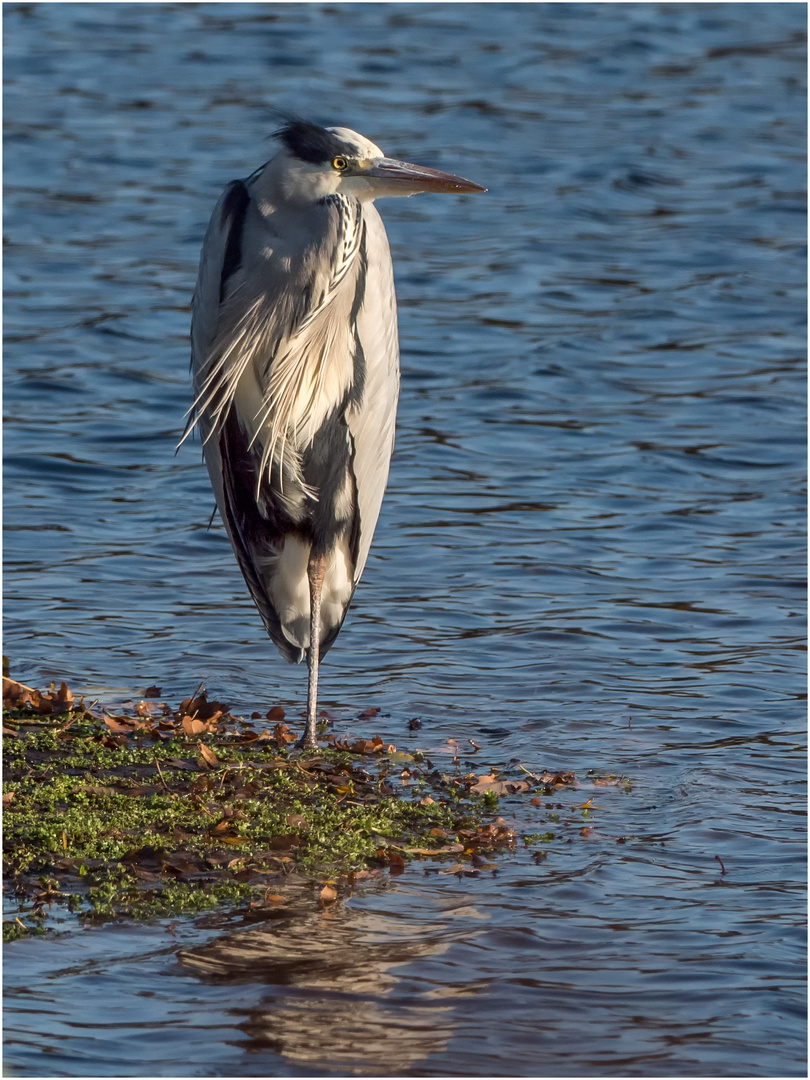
(123, 817)
(158, 812)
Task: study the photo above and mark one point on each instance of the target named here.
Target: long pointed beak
(419, 177)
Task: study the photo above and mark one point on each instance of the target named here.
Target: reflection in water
(332, 971)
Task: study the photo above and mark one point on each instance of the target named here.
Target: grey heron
(295, 362)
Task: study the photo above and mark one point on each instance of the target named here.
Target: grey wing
(372, 423)
(232, 466)
(219, 261)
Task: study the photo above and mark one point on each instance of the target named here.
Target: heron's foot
(308, 741)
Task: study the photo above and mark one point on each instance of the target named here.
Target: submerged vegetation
(161, 811)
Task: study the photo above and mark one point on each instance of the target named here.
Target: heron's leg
(316, 569)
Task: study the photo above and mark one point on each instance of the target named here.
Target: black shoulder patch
(309, 142)
(233, 215)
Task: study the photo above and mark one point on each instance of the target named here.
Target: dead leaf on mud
(200, 708)
(62, 699)
(281, 734)
(17, 695)
(116, 727)
(207, 758)
(192, 727)
(284, 842)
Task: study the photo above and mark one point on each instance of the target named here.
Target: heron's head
(319, 161)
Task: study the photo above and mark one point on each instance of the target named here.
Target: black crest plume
(309, 142)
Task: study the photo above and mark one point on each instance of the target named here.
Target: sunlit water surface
(590, 555)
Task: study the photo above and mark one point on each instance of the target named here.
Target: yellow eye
(340, 163)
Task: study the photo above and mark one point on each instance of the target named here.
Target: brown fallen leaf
(492, 784)
(495, 834)
(285, 841)
(207, 758)
(192, 726)
(281, 734)
(180, 866)
(297, 821)
(275, 715)
(62, 699)
(224, 825)
(16, 692)
(557, 779)
(200, 708)
(181, 763)
(116, 727)
(456, 868)
(8, 799)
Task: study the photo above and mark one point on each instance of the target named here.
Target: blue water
(591, 554)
